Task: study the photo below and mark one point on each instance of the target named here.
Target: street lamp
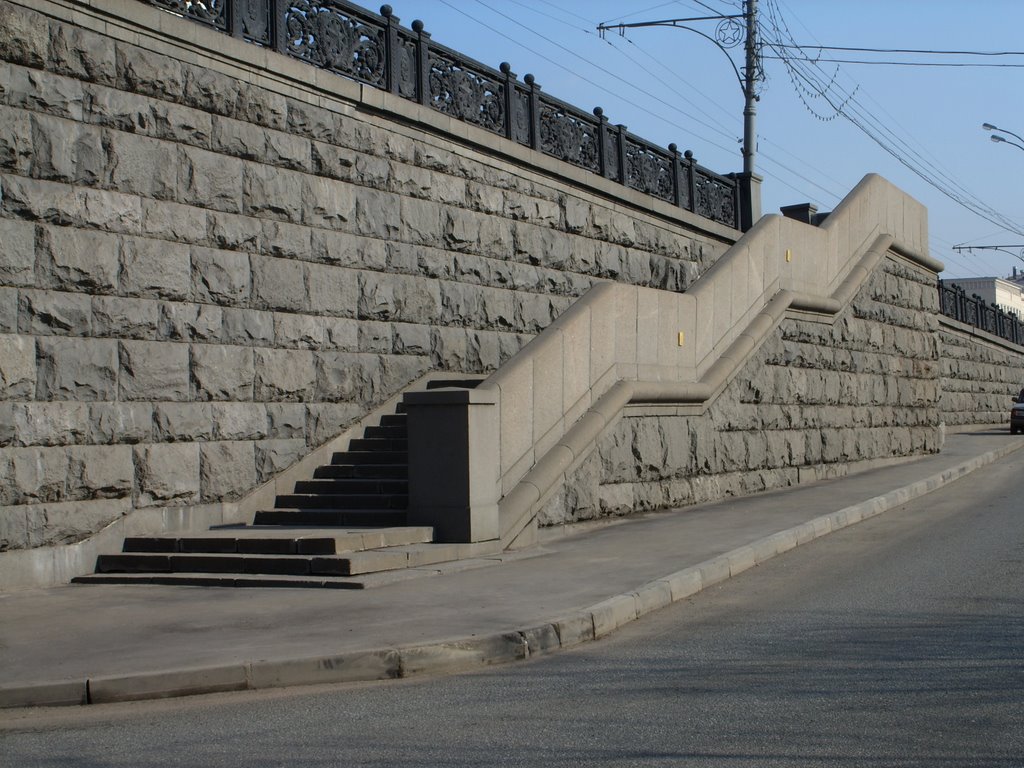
(1002, 139)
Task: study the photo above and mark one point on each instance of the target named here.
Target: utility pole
(749, 83)
(731, 29)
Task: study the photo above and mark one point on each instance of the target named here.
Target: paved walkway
(80, 643)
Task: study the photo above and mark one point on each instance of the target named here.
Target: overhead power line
(927, 51)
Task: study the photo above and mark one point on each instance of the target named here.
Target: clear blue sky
(671, 85)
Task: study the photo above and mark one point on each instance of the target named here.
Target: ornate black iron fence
(351, 41)
(972, 310)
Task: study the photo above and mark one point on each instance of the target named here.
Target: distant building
(1007, 293)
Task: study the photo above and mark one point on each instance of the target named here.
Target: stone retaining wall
(816, 400)
(207, 267)
(981, 374)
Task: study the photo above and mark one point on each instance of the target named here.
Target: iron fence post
(602, 141)
(534, 111)
(677, 176)
(391, 60)
(620, 147)
(510, 100)
(422, 62)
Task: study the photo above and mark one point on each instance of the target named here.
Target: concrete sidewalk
(91, 644)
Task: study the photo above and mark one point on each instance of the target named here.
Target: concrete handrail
(620, 344)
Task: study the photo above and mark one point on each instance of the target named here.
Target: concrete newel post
(454, 463)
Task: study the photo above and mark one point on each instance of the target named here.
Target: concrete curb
(470, 653)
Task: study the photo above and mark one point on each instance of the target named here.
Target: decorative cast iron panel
(521, 117)
(212, 12)
(714, 198)
(569, 137)
(254, 18)
(648, 171)
(325, 36)
(408, 87)
(466, 94)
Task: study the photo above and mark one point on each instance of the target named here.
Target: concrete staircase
(345, 528)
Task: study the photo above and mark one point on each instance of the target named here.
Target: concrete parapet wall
(622, 344)
(214, 259)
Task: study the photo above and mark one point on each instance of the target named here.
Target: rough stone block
(288, 150)
(24, 37)
(243, 140)
(14, 529)
(100, 472)
(36, 424)
(173, 221)
(82, 54)
(298, 331)
(222, 372)
(284, 375)
(278, 283)
(36, 474)
(63, 150)
(17, 252)
(227, 470)
(274, 456)
(17, 368)
(79, 260)
(15, 140)
(120, 423)
(233, 232)
(333, 290)
(45, 92)
(149, 73)
(272, 192)
(139, 165)
(77, 369)
(125, 318)
(220, 277)
(260, 106)
(286, 420)
(289, 241)
(420, 222)
(327, 420)
(333, 161)
(239, 421)
(190, 322)
(152, 370)
(327, 203)
(155, 269)
(43, 200)
(248, 327)
(183, 422)
(341, 334)
(167, 473)
(210, 91)
(399, 297)
(112, 211)
(209, 180)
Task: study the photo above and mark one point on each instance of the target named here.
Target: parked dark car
(1017, 416)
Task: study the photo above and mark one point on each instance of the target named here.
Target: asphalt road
(896, 642)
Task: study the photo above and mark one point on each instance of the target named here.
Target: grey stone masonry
(816, 399)
(204, 274)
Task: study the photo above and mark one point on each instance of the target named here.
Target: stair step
(223, 580)
(274, 540)
(394, 420)
(399, 432)
(320, 518)
(395, 558)
(342, 501)
(456, 383)
(379, 444)
(370, 457)
(356, 486)
(295, 565)
(368, 471)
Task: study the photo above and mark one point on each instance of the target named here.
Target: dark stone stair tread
(362, 501)
(353, 485)
(282, 540)
(224, 580)
(370, 457)
(322, 517)
(378, 445)
(362, 471)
